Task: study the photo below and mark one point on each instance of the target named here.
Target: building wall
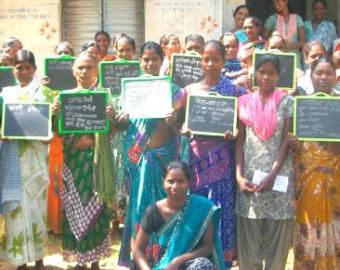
(36, 23)
(183, 17)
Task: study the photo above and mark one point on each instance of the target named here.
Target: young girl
(182, 228)
(26, 232)
(215, 181)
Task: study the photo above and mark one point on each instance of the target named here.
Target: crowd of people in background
(186, 201)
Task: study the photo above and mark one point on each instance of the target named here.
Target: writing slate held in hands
(83, 111)
(6, 77)
(26, 121)
(211, 114)
(147, 97)
(186, 69)
(317, 118)
(60, 73)
(112, 72)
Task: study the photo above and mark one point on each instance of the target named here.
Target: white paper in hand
(280, 184)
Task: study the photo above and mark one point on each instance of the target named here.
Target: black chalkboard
(186, 69)
(211, 115)
(6, 77)
(111, 73)
(59, 71)
(287, 78)
(317, 118)
(22, 120)
(83, 111)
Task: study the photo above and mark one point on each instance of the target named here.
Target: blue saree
(144, 175)
(185, 229)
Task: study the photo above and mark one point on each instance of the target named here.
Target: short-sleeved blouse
(260, 155)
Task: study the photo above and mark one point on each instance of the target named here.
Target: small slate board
(211, 114)
(27, 121)
(147, 97)
(186, 69)
(59, 71)
(287, 80)
(6, 77)
(111, 74)
(83, 111)
(317, 118)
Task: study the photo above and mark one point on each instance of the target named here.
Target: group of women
(182, 196)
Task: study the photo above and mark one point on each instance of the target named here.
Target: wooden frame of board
(166, 107)
(62, 58)
(280, 55)
(173, 56)
(217, 96)
(48, 137)
(317, 96)
(81, 92)
(115, 63)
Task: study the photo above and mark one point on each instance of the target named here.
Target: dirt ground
(54, 260)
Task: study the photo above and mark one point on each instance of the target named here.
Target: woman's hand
(266, 183)
(293, 142)
(55, 106)
(243, 81)
(245, 185)
(187, 132)
(228, 135)
(110, 113)
(171, 118)
(173, 265)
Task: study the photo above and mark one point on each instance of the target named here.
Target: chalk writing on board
(317, 118)
(211, 115)
(84, 112)
(147, 98)
(113, 73)
(186, 69)
(25, 120)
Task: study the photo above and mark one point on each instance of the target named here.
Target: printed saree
(212, 164)
(317, 187)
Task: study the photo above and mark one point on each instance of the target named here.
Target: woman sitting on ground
(182, 227)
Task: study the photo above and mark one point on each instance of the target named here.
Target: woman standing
(289, 25)
(319, 28)
(85, 233)
(211, 159)
(265, 217)
(26, 231)
(317, 189)
(240, 14)
(149, 145)
(103, 41)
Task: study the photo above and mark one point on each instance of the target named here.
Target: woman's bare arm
(138, 252)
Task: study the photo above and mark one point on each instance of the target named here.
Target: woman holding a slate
(265, 198)
(87, 165)
(317, 189)
(26, 231)
(211, 159)
(149, 145)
